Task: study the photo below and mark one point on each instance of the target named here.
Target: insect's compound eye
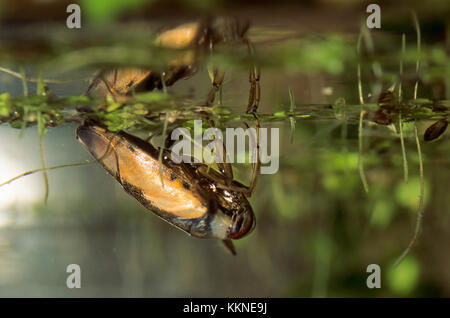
(243, 224)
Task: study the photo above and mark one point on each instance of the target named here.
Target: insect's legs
(233, 186)
(230, 246)
(253, 104)
(218, 76)
(224, 166)
(257, 164)
(254, 78)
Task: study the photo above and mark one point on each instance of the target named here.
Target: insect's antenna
(26, 173)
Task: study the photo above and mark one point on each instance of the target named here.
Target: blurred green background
(317, 230)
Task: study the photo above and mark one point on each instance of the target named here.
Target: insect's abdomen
(139, 171)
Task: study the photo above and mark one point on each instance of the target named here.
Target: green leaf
(403, 279)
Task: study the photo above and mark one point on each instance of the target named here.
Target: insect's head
(232, 224)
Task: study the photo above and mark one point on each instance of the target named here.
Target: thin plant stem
(161, 148)
(24, 82)
(361, 116)
(25, 108)
(402, 142)
(401, 68)
(41, 129)
(30, 172)
(36, 80)
(421, 207)
(291, 118)
(400, 123)
(376, 66)
(420, 211)
(419, 40)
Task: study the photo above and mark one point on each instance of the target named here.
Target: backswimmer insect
(204, 203)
